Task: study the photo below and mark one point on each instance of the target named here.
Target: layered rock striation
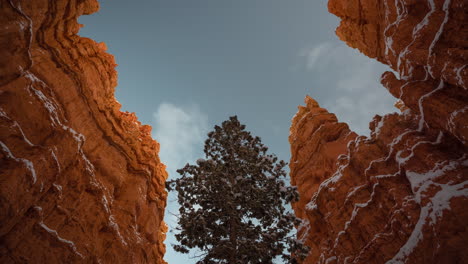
(80, 181)
(399, 195)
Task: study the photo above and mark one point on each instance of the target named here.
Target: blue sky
(187, 65)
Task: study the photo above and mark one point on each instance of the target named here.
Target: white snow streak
(445, 8)
(402, 161)
(27, 163)
(59, 238)
(420, 102)
(451, 126)
(55, 234)
(433, 210)
(460, 81)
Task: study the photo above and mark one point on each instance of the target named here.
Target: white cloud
(181, 132)
(315, 54)
(348, 83)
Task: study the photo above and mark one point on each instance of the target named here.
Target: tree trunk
(232, 225)
(232, 215)
(233, 240)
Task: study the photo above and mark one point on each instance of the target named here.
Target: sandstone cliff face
(80, 181)
(400, 195)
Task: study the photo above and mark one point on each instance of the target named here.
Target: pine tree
(233, 202)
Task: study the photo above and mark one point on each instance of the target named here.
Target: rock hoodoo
(399, 195)
(80, 182)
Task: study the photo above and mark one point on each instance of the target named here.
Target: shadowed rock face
(81, 182)
(400, 195)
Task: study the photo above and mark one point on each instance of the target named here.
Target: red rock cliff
(400, 195)
(81, 182)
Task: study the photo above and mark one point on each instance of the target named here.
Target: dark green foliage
(232, 202)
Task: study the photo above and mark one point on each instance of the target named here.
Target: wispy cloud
(314, 55)
(181, 131)
(348, 84)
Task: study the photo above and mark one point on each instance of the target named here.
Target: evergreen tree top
(233, 201)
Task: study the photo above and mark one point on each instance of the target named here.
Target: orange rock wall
(80, 181)
(399, 195)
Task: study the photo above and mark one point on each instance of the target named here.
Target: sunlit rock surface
(400, 195)
(80, 181)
